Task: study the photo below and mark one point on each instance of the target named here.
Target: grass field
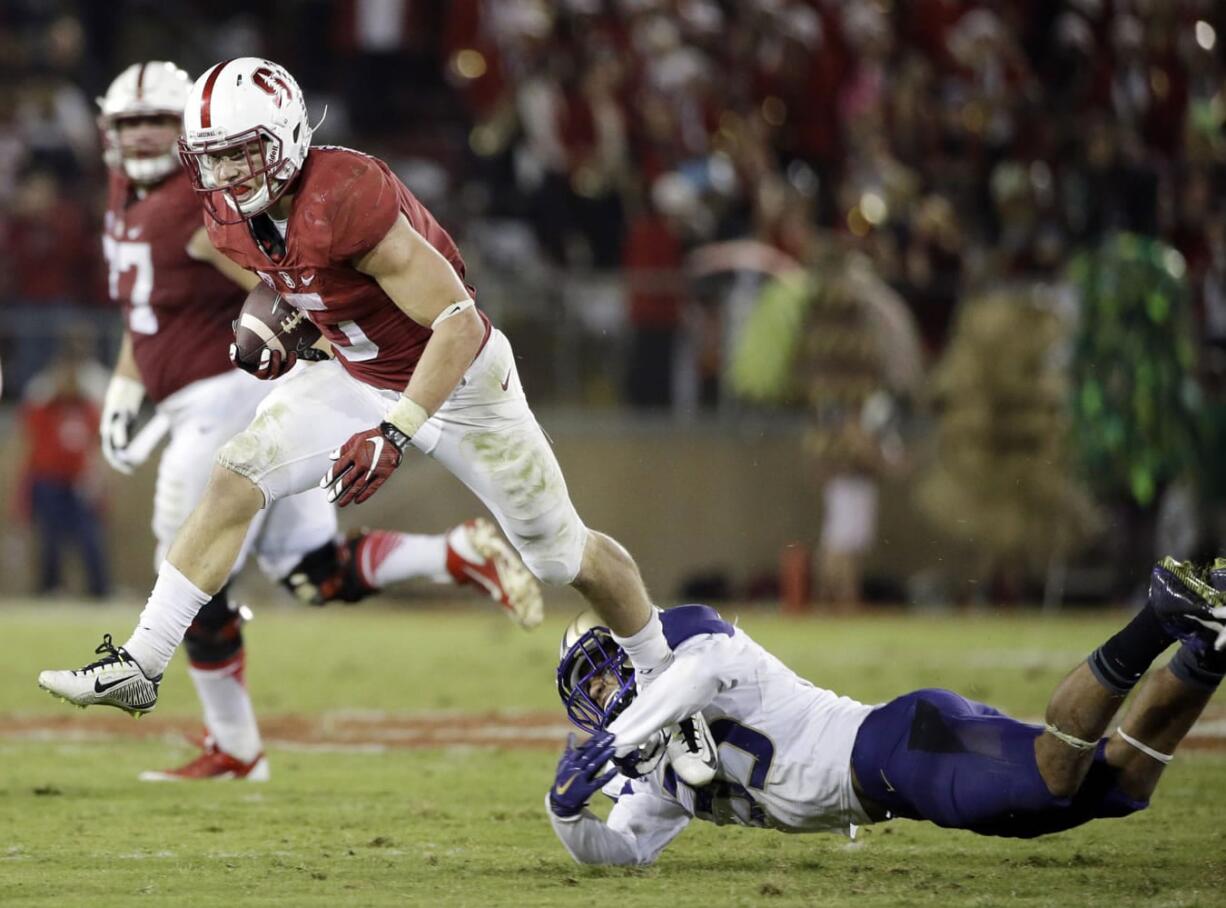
(366, 807)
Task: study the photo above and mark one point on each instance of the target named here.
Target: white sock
(228, 713)
(647, 649)
(171, 608)
(386, 557)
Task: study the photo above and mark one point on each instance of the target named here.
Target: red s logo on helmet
(273, 84)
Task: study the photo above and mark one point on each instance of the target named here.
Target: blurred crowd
(628, 170)
(956, 142)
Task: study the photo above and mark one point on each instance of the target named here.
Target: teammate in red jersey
(179, 298)
(341, 238)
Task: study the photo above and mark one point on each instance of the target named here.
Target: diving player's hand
(578, 776)
(119, 409)
(363, 464)
(643, 759)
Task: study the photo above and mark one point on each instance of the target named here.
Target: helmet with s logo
(245, 136)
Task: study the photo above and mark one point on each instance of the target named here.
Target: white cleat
(114, 680)
(692, 751)
(499, 572)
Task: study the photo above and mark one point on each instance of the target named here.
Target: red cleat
(499, 572)
(212, 764)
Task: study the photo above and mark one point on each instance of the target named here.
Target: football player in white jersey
(179, 297)
(795, 757)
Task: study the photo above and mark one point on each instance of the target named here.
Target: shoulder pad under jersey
(686, 621)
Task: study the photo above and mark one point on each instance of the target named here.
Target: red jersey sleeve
(366, 207)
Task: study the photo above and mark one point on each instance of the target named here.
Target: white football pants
(203, 416)
(485, 434)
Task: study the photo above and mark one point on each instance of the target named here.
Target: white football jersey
(784, 753)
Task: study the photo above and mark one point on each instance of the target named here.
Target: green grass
(466, 826)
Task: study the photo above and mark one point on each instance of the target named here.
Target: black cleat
(1191, 610)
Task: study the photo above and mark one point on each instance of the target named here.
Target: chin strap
(1145, 749)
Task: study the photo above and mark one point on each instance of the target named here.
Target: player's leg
(471, 554)
(202, 417)
(1158, 718)
(282, 452)
(1086, 701)
(274, 458)
(934, 755)
(1167, 705)
(488, 437)
(232, 748)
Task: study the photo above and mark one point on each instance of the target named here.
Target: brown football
(267, 320)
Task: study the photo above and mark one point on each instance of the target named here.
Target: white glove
(119, 409)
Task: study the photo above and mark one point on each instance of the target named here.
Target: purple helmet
(588, 651)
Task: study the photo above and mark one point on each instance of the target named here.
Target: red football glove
(363, 463)
(272, 364)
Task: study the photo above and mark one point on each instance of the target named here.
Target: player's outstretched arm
(690, 684)
(422, 283)
(640, 826)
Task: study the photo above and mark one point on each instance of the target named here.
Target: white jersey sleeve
(689, 684)
(640, 826)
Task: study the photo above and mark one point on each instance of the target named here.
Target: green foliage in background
(762, 364)
(1001, 479)
(1135, 399)
(830, 340)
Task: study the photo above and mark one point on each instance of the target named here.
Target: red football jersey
(177, 310)
(344, 204)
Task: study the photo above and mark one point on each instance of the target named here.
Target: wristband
(394, 435)
(407, 416)
(454, 309)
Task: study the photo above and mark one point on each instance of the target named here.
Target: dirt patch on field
(375, 731)
(358, 730)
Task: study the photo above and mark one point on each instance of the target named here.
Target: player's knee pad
(554, 558)
(551, 571)
(216, 633)
(251, 452)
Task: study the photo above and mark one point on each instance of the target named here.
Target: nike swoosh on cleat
(565, 786)
(483, 581)
(99, 687)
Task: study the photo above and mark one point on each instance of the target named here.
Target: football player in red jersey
(179, 297)
(340, 237)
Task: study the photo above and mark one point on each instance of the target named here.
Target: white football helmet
(246, 115)
(152, 89)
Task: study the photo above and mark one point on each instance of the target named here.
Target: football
(267, 320)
